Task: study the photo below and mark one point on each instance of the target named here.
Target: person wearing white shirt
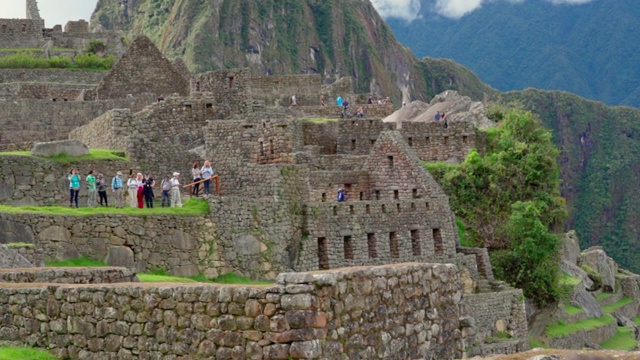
(132, 185)
(176, 200)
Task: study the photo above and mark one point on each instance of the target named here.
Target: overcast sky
(60, 11)
(53, 12)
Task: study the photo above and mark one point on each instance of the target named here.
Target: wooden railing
(215, 178)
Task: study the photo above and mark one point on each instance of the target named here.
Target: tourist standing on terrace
(102, 190)
(132, 185)
(207, 172)
(149, 183)
(176, 200)
(74, 187)
(195, 171)
(140, 190)
(92, 192)
(166, 190)
(117, 185)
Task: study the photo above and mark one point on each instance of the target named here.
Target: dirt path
(570, 355)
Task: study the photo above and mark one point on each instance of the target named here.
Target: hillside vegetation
(589, 49)
(334, 38)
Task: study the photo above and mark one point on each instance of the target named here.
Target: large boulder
(571, 247)
(52, 148)
(13, 232)
(598, 260)
(120, 256)
(10, 259)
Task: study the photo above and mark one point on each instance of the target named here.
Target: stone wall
(52, 76)
(180, 245)
(229, 89)
(24, 122)
(406, 311)
(498, 312)
(73, 275)
(331, 111)
(28, 251)
(25, 33)
(80, 26)
(32, 181)
(142, 69)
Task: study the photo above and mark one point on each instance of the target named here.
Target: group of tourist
(139, 187)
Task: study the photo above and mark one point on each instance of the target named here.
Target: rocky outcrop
(10, 258)
(52, 148)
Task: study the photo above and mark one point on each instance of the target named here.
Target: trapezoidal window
(231, 78)
(348, 248)
(390, 161)
(271, 150)
(323, 254)
(427, 140)
(465, 139)
(446, 140)
(437, 241)
(415, 243)
(394, 247)
(353, 144)
(372, 245)
(396, 194)
(410, 141)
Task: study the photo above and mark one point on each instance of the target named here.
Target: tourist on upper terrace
(149, 183)
(437, 116)
(117, 186)
(176, 200)
(322, 103)
(370, 100)
(341, 195)
(360, 112)
(345, 108)
(140, 190)
(166, 190)
(387, 100)
(74, 187)
(207, 172)
(339, 101)
(132, 185)
(102, 190)
(294, 101)
(92, 192)
(161, 98)
(196, 172)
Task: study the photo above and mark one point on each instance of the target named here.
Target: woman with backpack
(74, 187)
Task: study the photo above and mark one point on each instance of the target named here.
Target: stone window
(415, 243)
(437, 241)
(372, 245)
(261, 148)
(373, 142)
(323, 254)
(353, 144)
(361, 195)
(398, 208)
(410, 141)
(335, 210)
(352, 210)
(324, 197)
(428, 140)
(24, 28)
(367, 209)
(377, 194)
(427, 206)
(465, 139)
(396, 194)
(390, 161)
(446, 140)
(384, 208)
(187, 108)
(231, 78)
(394, 247)
(413, 206)
(271, 150)
(198, 86)
(348, 248)
(414, 193)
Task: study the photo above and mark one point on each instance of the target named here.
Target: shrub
(92, 61)
(96, 46)
(60, 62)
(23, 61)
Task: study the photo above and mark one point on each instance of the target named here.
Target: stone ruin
(276, 217)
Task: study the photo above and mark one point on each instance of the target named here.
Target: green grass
(27, 60)
(637, 320)
(535, 343)
(615, 306)
(79, 262)
(94, 154)
(561, 329)
(603, 296)
(162, 276)
(23, 353)
(566, 279)
(19, 245)
(320, 120)
(572, 310)
(193, 207)
(622, 340)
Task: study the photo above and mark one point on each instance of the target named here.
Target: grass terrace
(535, 343)
(94, 154)
(622, 340)
(611, 308)
(193, 207)
(566, 279)
(23, 353)
(572, 310)
(561, 329)
(320, 120)
(637, 320)
(28, 60)
(603, 296)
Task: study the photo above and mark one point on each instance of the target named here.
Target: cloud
(402, 9)
(456, 9)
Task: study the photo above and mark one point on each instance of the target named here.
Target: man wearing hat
(176, 200)
(117, 185)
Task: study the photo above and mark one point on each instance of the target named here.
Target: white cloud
(402, 9)
(455, 9)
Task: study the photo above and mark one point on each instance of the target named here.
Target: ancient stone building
(142, 69)
(16, 33)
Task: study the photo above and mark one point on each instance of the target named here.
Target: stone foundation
(72, 275)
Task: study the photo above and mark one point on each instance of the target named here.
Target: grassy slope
(22, 353)
(94, 154)
(622, 340)
(561, 329)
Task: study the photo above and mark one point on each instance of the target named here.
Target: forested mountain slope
(590, 49)
(331, 37)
